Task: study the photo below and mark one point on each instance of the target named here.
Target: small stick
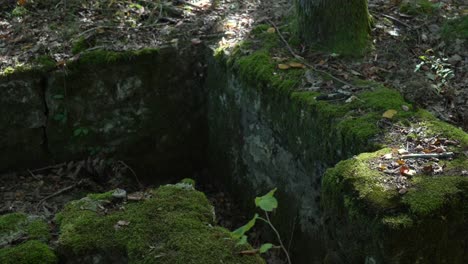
(396, 20)
(279, 238)
(255, 251)
(292, 232)
(305, 63)
(33, 175)
(49, 167)
(132, 171)
(428, 155)
(59, 192)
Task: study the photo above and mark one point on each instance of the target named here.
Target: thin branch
(428, 155)
(68, 188)
(49, 167)
(307, 64)
(279, 237)
(132, 171)
(396, 20)
(33, 175)
(292, 232)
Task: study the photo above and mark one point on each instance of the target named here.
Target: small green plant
(7, 71)
(438, 70)
(418, 7)
(79, 45)
(80, 131)
(267, 203)
(45, 61)
(19, 11)
(61, 116)
(455, 28)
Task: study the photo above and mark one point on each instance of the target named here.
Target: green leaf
(265, 247)
(77, 132)
(242, 241)
(267, 202)
(239, 232)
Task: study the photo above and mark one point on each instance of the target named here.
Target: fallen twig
(68, 188)
(33, 175)
(49, 167)
(279, 238)
(427, 155)
(132, 171)
(396, 20)
(307, 64)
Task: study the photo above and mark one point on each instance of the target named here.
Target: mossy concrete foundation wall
(147, 109)
(261, 139)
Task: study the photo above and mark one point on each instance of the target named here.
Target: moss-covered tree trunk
(340, 26)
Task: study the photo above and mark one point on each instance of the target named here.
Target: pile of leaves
(415, 152)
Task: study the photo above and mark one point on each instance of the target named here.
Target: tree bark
(340, 26)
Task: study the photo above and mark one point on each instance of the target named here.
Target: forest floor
(416, 49)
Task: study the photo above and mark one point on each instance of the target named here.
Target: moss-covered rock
(30, 252)
(16, 225)
(34, 231)
(175, 225)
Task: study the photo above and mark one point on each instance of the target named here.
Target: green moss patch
(16, 225)
(176, 225)
(430, 195)
(31, 252)
(419, 7)
(456, 28)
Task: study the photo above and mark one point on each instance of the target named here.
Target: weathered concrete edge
(256, 76)
(33, 147)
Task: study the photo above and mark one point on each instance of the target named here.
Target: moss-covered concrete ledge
(264, 133)
(371, 222)
(145, 106)
(23, 240)
(173, 224)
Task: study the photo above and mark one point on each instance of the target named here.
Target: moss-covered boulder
(173, 224)
(23, 240)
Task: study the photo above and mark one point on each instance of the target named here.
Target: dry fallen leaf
(382, 167)
(428, 169)
(196, 41)
(402, 151)
(400, 162)
(404, 170)
(120, 224)
(297, 65)
(387, 156)
(389, 113)
(283, 66)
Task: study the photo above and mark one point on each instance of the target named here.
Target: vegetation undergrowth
(419, 7)
(455, 28)
(267, 203)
